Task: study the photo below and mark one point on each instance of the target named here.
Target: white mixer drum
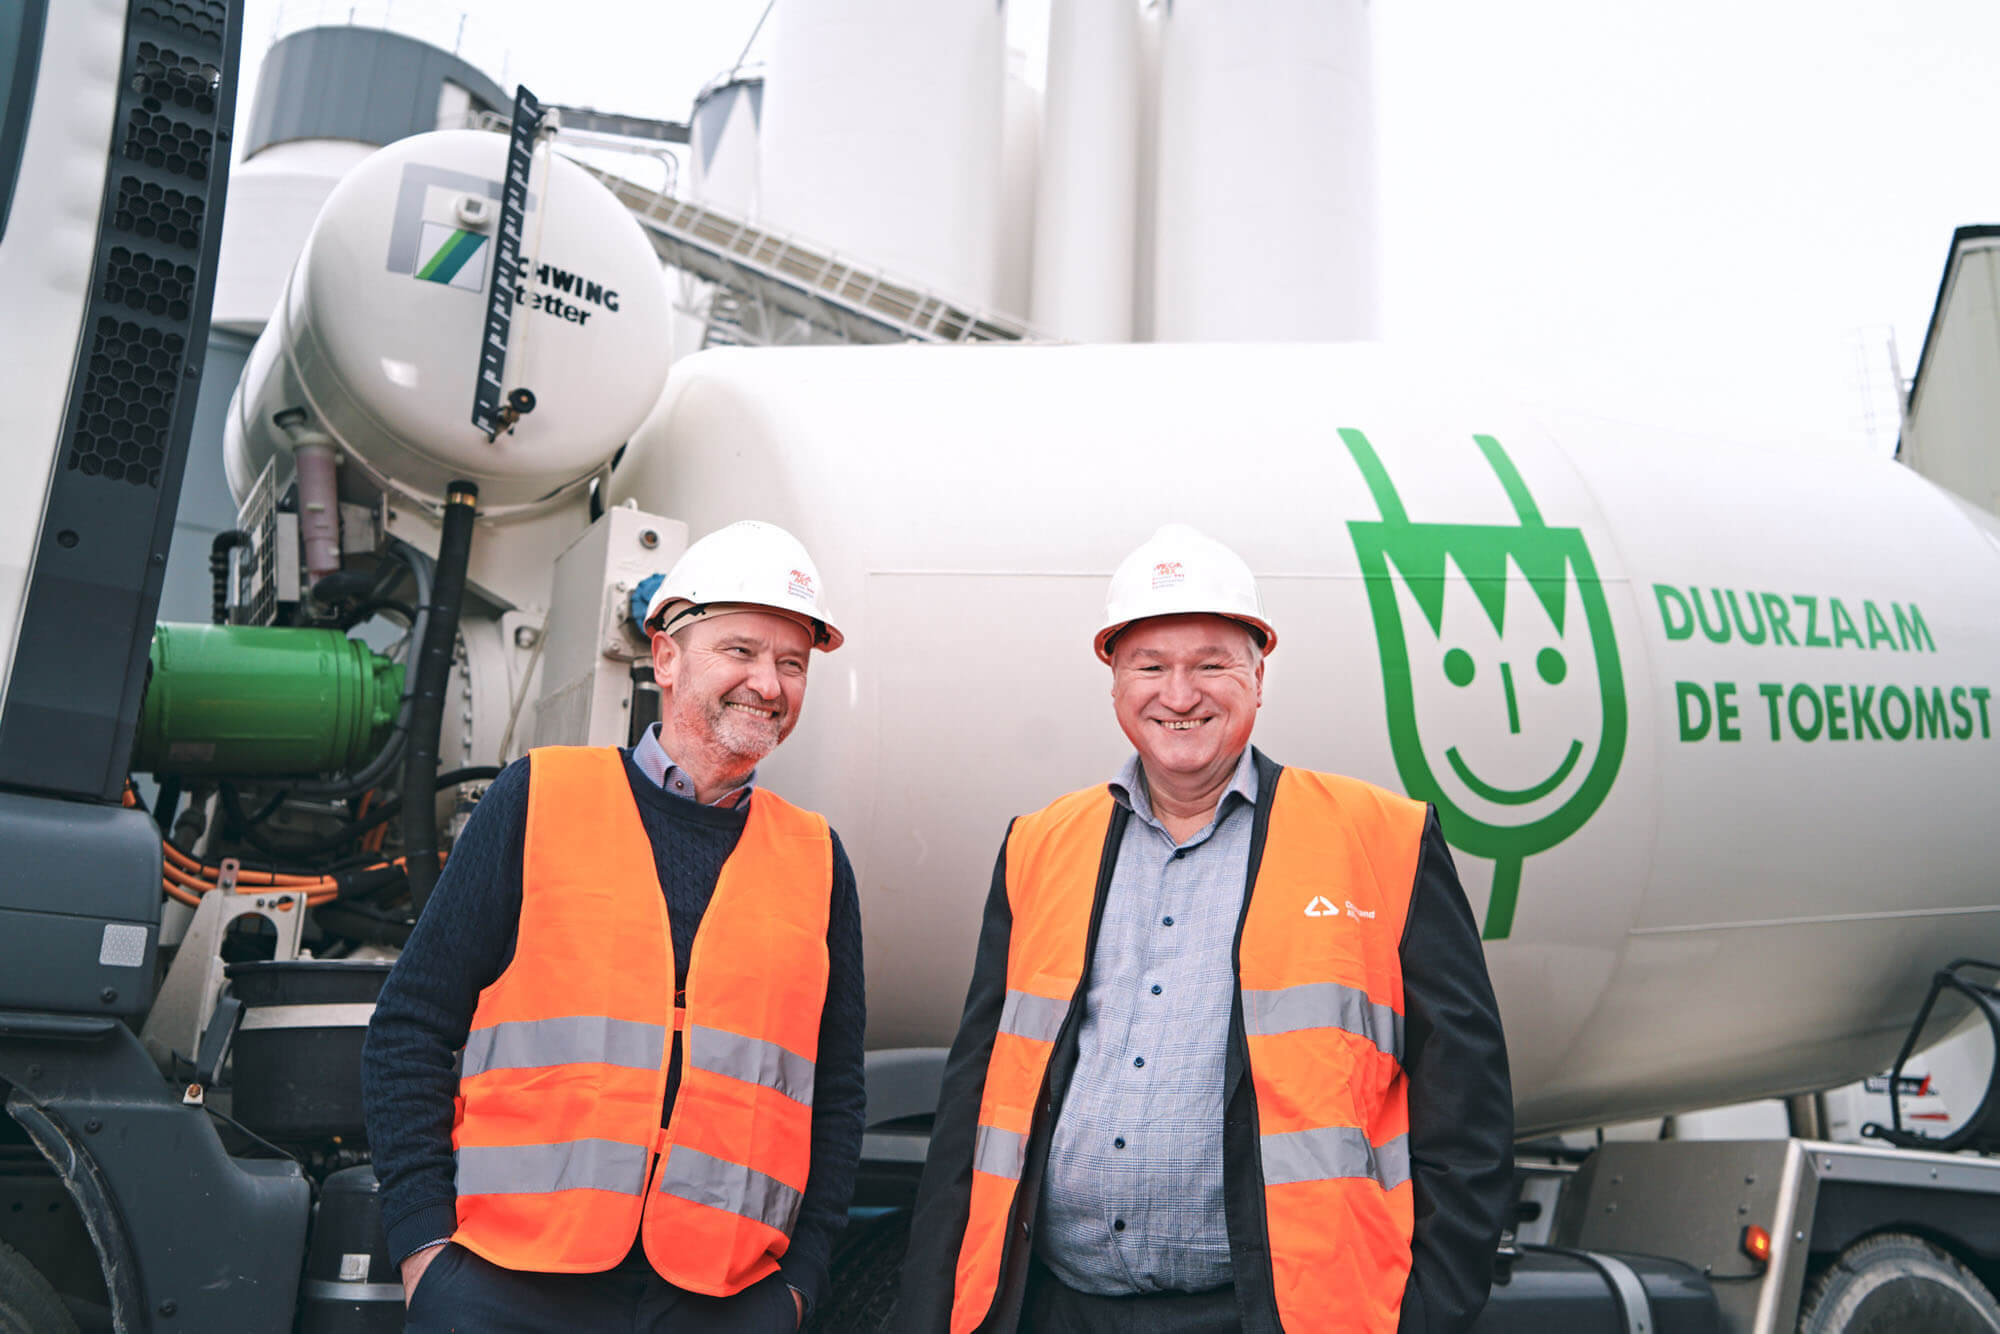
(378, 339)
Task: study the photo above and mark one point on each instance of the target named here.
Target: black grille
(196, 18)
(156, 220)
(165, 76)
(122, 428)
(164, 142)
(157, 285)
(73, 697)
(157, 213)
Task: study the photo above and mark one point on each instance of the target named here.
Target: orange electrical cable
(262, 879)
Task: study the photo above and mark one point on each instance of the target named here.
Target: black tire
(867, 1267)
(28, 1305)
(1894, 1282)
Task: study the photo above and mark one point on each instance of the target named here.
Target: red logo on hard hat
(801, 585)
(1167, 573)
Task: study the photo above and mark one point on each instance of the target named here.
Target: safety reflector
(1026, 1015)
(1333, 1153)
(731, 1187)
(540, 1169)
(1323, 1005)
(752, 1060)
(999, 1152)
(531, 1044)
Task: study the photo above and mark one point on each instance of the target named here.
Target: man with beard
(615, 1080)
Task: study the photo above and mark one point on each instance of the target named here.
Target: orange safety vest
(561, 1159)
(1319, 975)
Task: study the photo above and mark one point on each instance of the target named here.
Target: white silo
(1085, 209)
(1265, 203)
(724, 170)
(881, 135)
(722, 143)
(1146, 161)
(1020, 156)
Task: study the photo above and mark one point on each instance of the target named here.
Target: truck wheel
(28, 1305)
(1895, 1282)
(867, 1266)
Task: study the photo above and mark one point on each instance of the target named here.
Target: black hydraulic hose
(218, 569)
(433, 673)
(645, 702)
(166, 803)
(353, 785)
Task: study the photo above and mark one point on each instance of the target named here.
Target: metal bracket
(187, 997)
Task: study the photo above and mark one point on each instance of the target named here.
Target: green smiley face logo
(1507, 712)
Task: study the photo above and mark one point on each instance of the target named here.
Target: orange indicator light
(1757, 1243)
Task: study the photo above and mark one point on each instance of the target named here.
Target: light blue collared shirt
(656, 764)
(1132, 1201)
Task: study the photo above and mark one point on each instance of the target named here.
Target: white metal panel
(1266, 188)
(586, 697)
(1698, 920)
(881, 136)
(45, 256)
(1086, 209)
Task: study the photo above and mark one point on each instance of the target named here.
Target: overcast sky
(1678, 215)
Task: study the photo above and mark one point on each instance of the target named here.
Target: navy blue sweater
(465, 939)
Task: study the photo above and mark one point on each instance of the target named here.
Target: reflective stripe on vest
(1052, 861)
(530, 1044)
(564, 1071)
(736, 1153)
(1324, 1005)
(538, 1169)
(1323, 1025)
(727, 1187)
(1322, 1015)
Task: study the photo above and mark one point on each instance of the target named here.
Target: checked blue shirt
(1132, 1200)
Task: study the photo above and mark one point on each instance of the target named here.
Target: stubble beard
(732, 742)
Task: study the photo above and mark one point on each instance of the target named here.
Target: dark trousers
(1053, 1307)
(465, 1294)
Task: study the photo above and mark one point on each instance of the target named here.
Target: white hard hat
(746, 564)
(1179, 571)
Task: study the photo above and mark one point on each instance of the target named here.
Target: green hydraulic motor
(271, 700)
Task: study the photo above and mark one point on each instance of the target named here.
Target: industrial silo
(1020, 162)
(722, 143)
(1085, 207)
(881, 136)
(1265, 196)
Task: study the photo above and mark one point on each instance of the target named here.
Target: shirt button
(1138, 1060)
(1156, 988)
(1179, 853)
(1117, 1225)
(1166, 921)
(1118, 1143)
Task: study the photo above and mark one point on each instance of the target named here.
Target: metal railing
(845, 300)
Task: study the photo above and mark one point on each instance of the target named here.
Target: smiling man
(1230, 1058)
(647, 970)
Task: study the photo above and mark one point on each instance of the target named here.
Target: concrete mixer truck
(1711, 731)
